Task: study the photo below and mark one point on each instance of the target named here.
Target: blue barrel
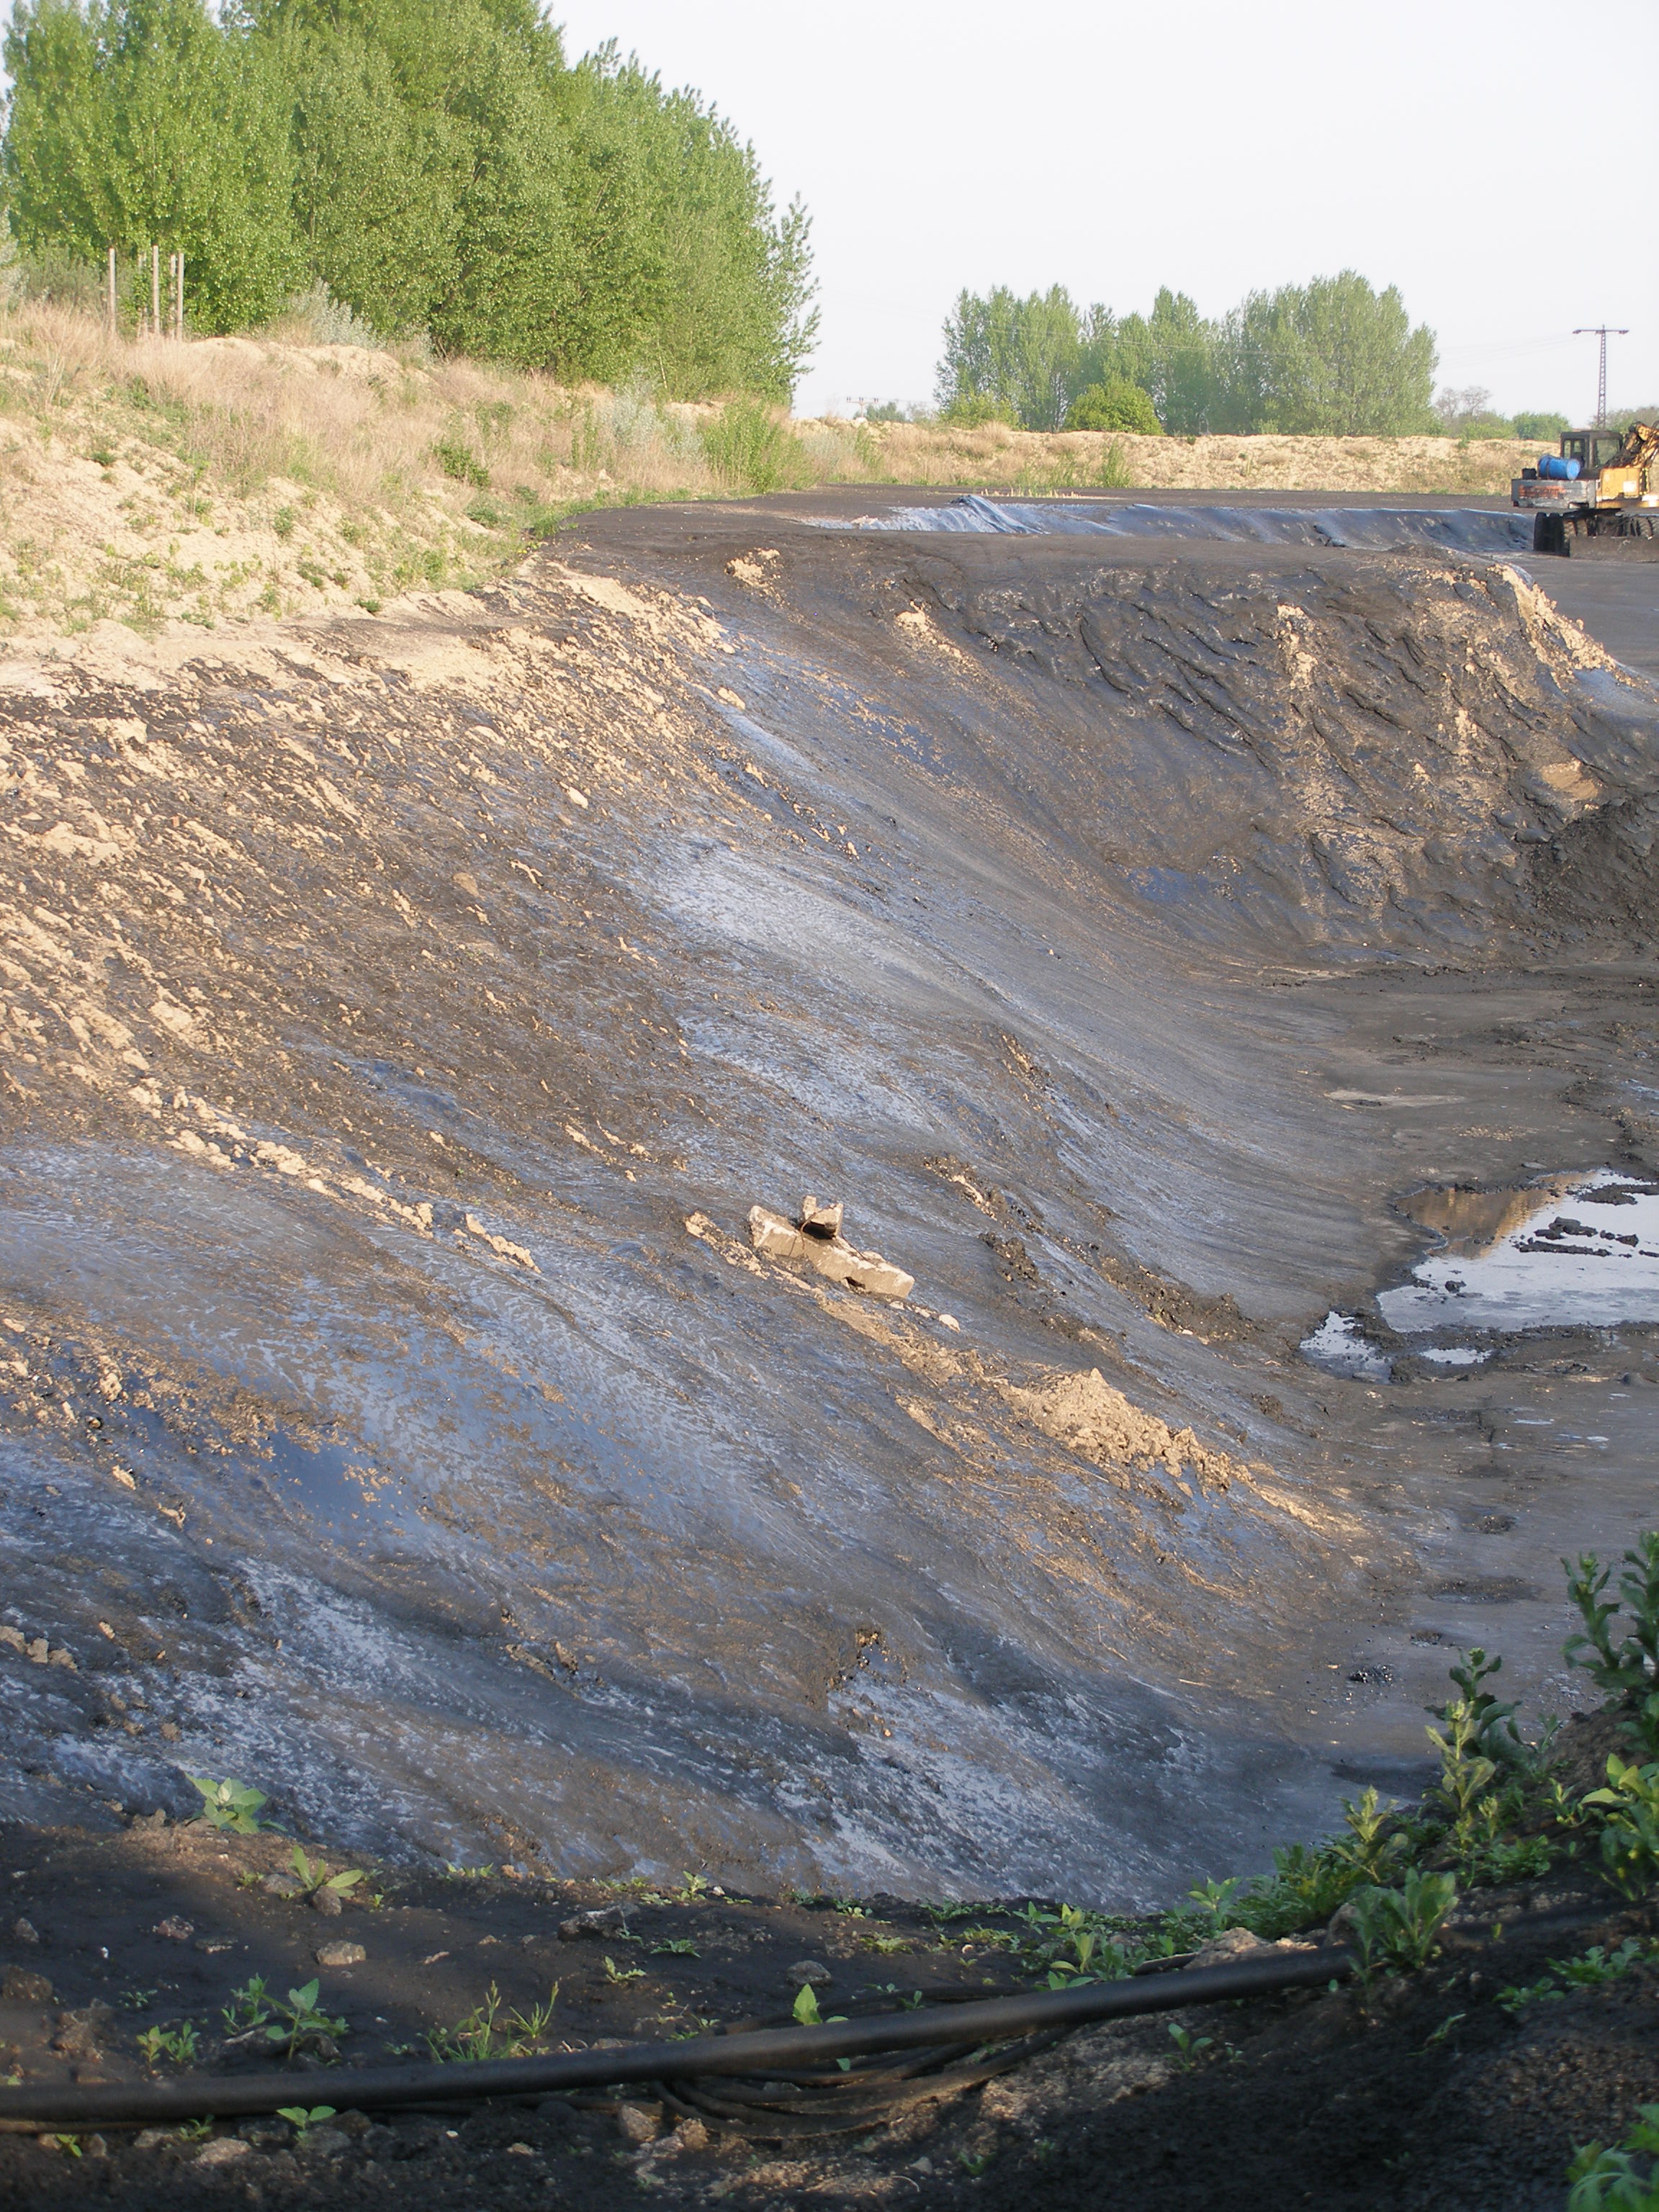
(1552, 465)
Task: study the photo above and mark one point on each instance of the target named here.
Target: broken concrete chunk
(770, 1234)
(608, 1920)
(809, 1974)
(831, 1253)
(821, 1221)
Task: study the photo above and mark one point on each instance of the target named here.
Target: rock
(158, 1819)
(170, 1731)
(773, 1237)
(327, 1901)
(25, 1931)
(58, 1658)
(174, 1931)
(1237, 1946)
(607, 1920)
(691, 2134)
(223, 2150)
(36, 1648)
(82, 2034)
(817, 1220)
(21, 1987)
(809, 1973)
(11, 1637)
(324, 2143)
(152, 2139)
(832, 1255)
(639, 2124)
(280, 1885)
(340, 1955)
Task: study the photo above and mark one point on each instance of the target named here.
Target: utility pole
(1604, 331)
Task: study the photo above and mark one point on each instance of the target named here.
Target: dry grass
(167, 486)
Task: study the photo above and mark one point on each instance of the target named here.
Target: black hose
(769, 2052)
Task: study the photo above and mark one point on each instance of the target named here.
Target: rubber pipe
(767, 2050)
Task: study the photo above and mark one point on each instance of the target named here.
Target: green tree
(150, 124)
(1116, 405)
(1020, 357)
(1332, 358)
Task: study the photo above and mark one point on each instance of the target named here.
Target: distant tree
(1545, 428)
(1116, 405)
(1330, 358)
(1018, 357)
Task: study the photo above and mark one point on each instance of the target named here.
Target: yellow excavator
(1599, 496)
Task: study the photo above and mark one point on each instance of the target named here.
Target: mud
(403, 1017)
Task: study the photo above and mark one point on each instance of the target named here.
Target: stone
(1237, 1946)
(82, 2034)
(817, 1220)
(37, 1650)
(21, 1987)
(605, 1920)
(809, 1974)
(691, 2134)
(280, 1885)
(152, 2139)
(174, 1931)
(13, 1639)
(223, 2150)
(639, 2124)
(340, 1955)
(327, 1901)
(324, 2143)
(26, 1932)
(773, 1237)
(58, 1658)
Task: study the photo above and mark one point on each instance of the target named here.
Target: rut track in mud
(401, 1018)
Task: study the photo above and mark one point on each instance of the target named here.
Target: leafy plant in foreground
(178, 2044)
(1610, 2177)
(1398, 1927)
(299, 2022)
(231, 1805)
(314, 1876)
(303, 2117)
(1630, 1830)
(1597, 1966)
(1623, 1666)
(485, 2033)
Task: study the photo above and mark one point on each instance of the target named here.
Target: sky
(1214, 148)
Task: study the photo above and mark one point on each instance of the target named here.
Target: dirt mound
(381, 1002)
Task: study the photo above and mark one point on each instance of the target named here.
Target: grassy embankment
(156, 485)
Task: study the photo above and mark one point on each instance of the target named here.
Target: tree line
(1330, 358)
(438, 165)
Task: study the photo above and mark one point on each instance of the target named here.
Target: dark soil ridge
(1410, 2094)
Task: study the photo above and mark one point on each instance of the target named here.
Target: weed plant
(486, 2033)
(1612, 2177)
(1622, 1661)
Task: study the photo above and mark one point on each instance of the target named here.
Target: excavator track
(1597, 537)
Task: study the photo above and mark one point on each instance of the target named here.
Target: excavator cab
(1591, 449)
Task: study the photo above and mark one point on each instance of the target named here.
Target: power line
(1604, 331)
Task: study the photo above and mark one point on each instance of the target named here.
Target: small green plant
(617, 1974)
(195, 2131)
(303, 2117)
(178, 2044)
(136, 2000)
(1440, 2033)
(1630, 1825)
(677, 1946)
(887, 1945)
(486, 2034)
(1597, 1966)
(283, 520)
(459, 462)
(1623, 1662)
(1398, 1927)
(692, 1888)
(249, 2008)
(806, 2008)
(314, 1875)
(231, 1805)
(70, 2144)
(974, 2162)
(298, 2022)
(1189, 2048)
(1611, 2176)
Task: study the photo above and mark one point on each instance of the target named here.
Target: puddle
(1574, 1251)
(1454, 1355)
(1341, 1347)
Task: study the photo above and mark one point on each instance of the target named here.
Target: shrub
(751, 447)
(1398, 1927)
(1624, 1666)
(971, 412)
(458, 460)
(1116, 405)
(1630, 1830)
(1545, 428)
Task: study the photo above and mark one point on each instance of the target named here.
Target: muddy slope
(401, 1020)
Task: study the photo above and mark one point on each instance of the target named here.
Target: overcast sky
(1212, 145)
